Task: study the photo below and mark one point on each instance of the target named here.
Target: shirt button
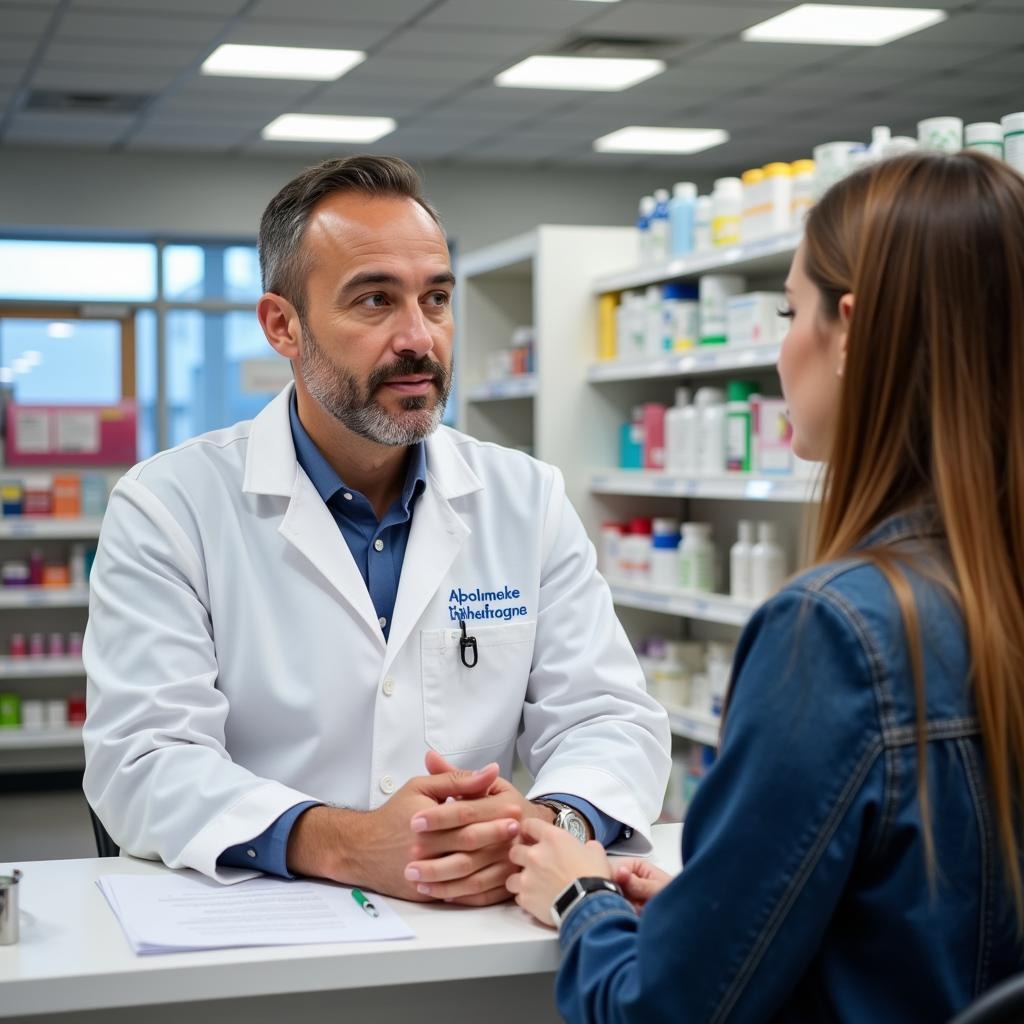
(388, 687)
(387, 784)
(378, 545)
(383, 622)
(347, 496)
(250, 852)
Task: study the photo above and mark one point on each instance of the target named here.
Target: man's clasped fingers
(460, 875)
(459, 813)
(478, 836)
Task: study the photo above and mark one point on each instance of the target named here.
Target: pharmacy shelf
(524, 386)
(39, 739)
(739, 487)
(688, 724)
(49, 527)
(686, 604)
(698, 362)
(765, 256)
(40, 668)
(44, 597)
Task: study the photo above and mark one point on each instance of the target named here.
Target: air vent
(620, 46)
(74, 102)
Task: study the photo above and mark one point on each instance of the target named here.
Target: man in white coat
(308, 631)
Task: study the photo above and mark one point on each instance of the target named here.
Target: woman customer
(854, 854)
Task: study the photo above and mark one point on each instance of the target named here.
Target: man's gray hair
(283, 262)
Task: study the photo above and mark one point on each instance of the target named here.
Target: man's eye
(440, 298)
(374, 301)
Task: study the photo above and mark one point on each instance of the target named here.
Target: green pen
(361, 899)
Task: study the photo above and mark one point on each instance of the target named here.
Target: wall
(199, 196)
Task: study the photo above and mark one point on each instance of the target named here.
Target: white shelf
(44, 597)
(765, 256)
(700, 361)
(40, 739)
(687, 604)
(741, 487)
(49, 527)
(40, 668)
(511, 256)
(522, 386)
(688, 724)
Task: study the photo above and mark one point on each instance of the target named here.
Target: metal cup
(9, 908)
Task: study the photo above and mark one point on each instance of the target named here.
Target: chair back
(105, 846)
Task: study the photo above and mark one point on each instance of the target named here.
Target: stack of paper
(170, 913)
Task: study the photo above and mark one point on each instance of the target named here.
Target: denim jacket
(805, 894)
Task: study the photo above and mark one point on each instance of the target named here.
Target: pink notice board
(71, 435)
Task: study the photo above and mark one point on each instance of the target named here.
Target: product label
(737, 442)
(485, 604)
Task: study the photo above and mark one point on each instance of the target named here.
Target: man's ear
(280, 323)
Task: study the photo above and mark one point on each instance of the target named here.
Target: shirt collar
(326, 480)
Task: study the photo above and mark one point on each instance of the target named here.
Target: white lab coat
(236, 665)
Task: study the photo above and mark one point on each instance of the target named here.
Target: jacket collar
(271, 465)
(915, 523)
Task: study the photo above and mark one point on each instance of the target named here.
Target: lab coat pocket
(469, 708)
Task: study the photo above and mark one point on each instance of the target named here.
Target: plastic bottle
(1013, 140)
(985, 137)
(726, 209)
(631, 326)
(680, 315)
(778, 188)
(643, 227)
(739, 440)
(881, 136)
(654, 333)
(659, 228)
(631, 441)
(675, 433)
(682, 210)
(702, 211)
(702, 450)
(741, 563)
(719, 670)
(697, 558)
(752, 217)
(608, 552)
(664, 555)
(36, 563)
(635, 557)
(768, 561)
(715, 290)
(802, 191)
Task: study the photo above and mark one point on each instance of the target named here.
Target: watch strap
(577, 891)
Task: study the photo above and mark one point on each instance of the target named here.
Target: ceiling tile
(557, 15)
(970, 28)
(490, 98)
(79, 129)
(226, 133)
(171, 7)
(249, 91)
(24, 19)
(128, 80)
(112, 56)
(777, 56)
(455, 44)
(682, 20)
(138, 27)
(344, 36)
(373, 12)
(363, 106)
(407, 69)
(921, 59)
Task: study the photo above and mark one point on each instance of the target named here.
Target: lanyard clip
(467, 643)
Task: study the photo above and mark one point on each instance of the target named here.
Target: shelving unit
(44, 597)
(67, 738)
(40, 668)
(685, 604)
(697, 362)
(687, 724)
(741, 487)
(504, 390)
(38, 528)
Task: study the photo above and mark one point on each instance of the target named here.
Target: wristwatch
(569, 818)
(577, 890)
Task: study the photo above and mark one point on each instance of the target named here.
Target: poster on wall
(65, 435)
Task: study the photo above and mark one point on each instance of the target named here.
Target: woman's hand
(639, 879)
(550, 859)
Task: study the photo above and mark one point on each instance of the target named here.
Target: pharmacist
(304, 629)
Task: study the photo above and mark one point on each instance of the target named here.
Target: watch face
(573, 824)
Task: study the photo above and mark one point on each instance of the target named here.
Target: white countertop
(74, 956)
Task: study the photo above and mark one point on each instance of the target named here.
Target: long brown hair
(932, 411)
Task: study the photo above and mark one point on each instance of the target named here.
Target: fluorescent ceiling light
(300, 62)
(600, 74)
(638, 139)
(328, 128)
(840, 25)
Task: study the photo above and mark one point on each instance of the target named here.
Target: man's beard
(357, 409)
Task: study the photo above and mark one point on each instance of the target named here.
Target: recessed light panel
(297, 62)
(640, 139)
(328, 128)
(839, 25)
(599, 74)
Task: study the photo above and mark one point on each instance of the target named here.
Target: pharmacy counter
(74, 965)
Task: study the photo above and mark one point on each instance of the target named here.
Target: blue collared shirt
(378, 548)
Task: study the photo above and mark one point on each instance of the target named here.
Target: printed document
(170, 913)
